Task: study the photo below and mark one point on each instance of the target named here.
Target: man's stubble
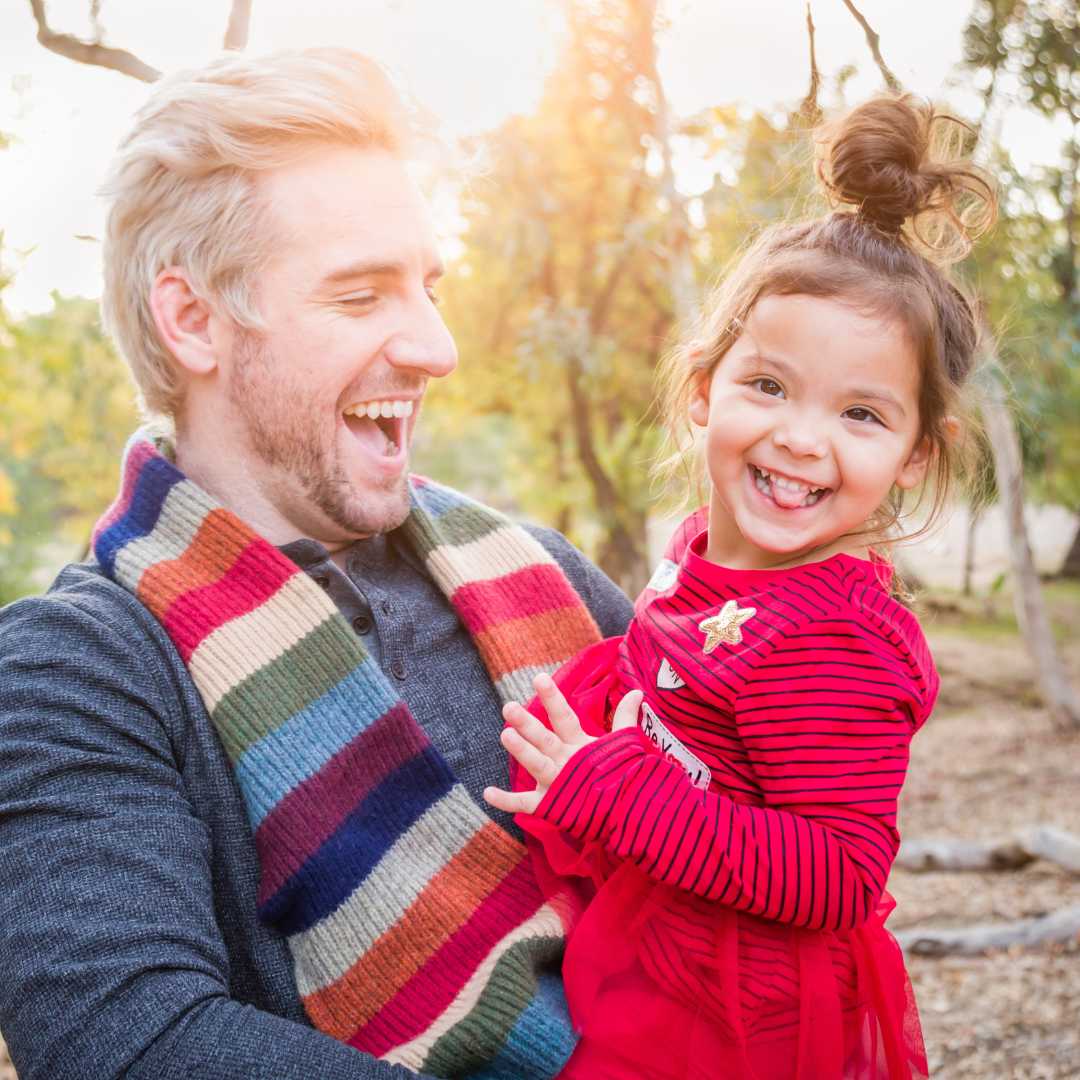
(287, 432)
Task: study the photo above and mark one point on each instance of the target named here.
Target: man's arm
(113, 961)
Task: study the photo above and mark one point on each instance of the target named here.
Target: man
(270, 279)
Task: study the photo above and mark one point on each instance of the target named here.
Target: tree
(1027, 50)
(96, 53)
(562, 296)
(66, 409)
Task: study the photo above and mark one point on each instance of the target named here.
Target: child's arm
(816, 855)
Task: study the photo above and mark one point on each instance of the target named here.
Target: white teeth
(375, 410)
(765, 481)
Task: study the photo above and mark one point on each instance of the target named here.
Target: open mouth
(380, 426)
(786, 492)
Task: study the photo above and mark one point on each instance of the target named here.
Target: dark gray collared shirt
(412, 631)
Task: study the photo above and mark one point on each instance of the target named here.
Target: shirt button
(387, 607)
(397, 669)
(322, 581)
(362, 624)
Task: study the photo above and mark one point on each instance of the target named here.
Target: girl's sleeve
(828, 743)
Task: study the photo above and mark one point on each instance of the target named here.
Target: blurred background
(602, 162)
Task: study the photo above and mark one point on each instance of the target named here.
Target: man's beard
(294, 441)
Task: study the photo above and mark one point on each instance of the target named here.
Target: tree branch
(85, 52)
(1062, 925)
(809, 112)
(1009, 853)
(872, 39)
(236, 35)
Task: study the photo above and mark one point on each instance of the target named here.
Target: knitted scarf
(416, 927)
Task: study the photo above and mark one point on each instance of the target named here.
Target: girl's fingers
(564, 720)
(626, 712)
(531, 729)
(539, 766)
(513, 802)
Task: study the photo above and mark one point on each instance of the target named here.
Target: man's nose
(423, 342)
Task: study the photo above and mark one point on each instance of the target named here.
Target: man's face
(327, 397)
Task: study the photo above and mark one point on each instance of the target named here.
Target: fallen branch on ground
(1057, 926)
(1038, 842)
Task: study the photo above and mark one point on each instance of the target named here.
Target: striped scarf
(416, 927)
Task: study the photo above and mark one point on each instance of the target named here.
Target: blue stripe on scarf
(346, 858)
(543, 1032)
(437, 500)
(311, 737)
(156, 479)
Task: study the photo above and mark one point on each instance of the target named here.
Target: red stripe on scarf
(451, 898)
(258, 572)
(426, 996)
(524, 592)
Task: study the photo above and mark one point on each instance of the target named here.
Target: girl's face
(811, 417)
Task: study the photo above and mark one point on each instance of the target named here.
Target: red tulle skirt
(664, 985)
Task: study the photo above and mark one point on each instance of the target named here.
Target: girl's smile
(811, 417)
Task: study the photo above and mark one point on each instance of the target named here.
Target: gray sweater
(129, 944)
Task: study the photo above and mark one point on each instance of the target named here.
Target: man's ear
(913, 471)
(699, 400)
(185, 322)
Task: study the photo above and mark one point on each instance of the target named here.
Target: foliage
(561, 300)
(1027, 52)
(66, 406)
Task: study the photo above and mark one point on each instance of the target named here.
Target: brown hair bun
(899, 162)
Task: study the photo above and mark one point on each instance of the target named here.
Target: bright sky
(472, 61)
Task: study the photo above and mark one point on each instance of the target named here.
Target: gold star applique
(725, 626)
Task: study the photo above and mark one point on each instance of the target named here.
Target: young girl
(732, 822)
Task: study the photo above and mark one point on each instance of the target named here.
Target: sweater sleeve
(829, 746)
(114, 963)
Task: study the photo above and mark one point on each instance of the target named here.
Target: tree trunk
(969, 546)
(1059, 696)
(1071, 567)
(680, 261)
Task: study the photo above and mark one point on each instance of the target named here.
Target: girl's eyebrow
(878, 394)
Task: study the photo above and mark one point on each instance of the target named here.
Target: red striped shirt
(803, 727)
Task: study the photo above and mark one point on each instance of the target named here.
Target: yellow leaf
(7, 495)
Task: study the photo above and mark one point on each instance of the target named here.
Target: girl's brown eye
(770, 387)
(862, 415)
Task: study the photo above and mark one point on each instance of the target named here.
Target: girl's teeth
(766, 482)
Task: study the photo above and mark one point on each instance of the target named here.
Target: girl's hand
(543, 751)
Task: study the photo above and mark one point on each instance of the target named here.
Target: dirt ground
(988, 762)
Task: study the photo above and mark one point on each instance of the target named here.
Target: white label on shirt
(654, 729)
(667, 678)
(663, 576)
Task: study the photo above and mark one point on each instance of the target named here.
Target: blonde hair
(182, 185)
(918, 202)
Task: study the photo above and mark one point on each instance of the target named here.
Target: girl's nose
(803, 439)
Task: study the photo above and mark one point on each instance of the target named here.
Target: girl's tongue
(786, 494)
(788, 498)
